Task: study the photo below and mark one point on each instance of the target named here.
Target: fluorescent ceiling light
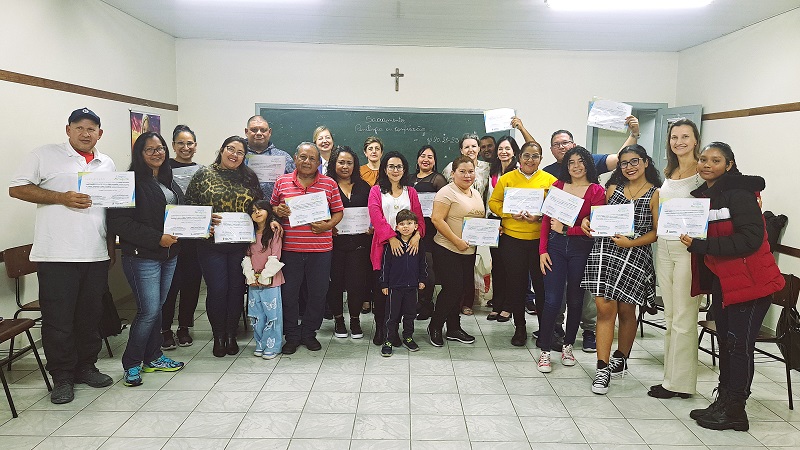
(626, 5)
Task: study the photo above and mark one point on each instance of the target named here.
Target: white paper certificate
(677, 216)
(426, 202)
(610, 220)
(108, 189)
(183, 175)
(185, 221)
(478, 231)
(562, 206)
(609, 115)
(517, 200)
(234, 227)
(354, 221)
(308, 208)
(498, 119)
(267, 167)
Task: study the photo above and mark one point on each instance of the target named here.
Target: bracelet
(564, 230)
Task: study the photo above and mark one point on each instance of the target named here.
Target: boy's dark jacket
(404, 271)
(736, 250)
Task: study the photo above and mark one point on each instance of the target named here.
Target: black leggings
(351, 272)
(454, 272)
(521, 259)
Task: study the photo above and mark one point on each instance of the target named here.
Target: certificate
(562, 206)
(518, 200)
(354, 221)
(610, 220)
(108, 189)
(308, 208)
(609, 115)
(234, 227)
(498, 119)
(183, 175)
(481, 231)
(426, 201)
(267, 167)
(677, 216)
(185, 221)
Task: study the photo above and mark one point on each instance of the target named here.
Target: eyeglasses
(153, 151)
(233, 151)
(187, 144)
(633, 162)
(394, 168)
(530, 156)
(560, 144)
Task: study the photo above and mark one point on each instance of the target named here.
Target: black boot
(220, 348)
(231, 345)
(730, 415)
(520, 336)
(697, 414)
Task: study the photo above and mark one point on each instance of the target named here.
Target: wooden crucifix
(396, 75)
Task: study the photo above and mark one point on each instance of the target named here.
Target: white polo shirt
(64, 234)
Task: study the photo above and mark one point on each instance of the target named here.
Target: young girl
(620, 272)
(261, 267)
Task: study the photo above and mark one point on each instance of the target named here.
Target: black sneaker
(410, 344)
(311, 343)
(62, 392)
(602, 378)
(168, 340)
(618, 364)
(184, 339)
(290, 347)
(93, 378)
(435, 335)
(339, 330)
(530, 307)
(386, 350)
(355, 328)
(460, 336)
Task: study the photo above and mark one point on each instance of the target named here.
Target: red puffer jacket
(736, 250)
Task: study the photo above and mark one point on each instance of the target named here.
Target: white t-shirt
(391, 205)
(64, 234)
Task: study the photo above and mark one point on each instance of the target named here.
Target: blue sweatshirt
(404, 271)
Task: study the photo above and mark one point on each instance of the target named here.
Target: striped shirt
(301, 238)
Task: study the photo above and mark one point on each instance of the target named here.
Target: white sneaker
(567, 358)
(544, 362)
(269, 355)
(602, 378)
(258, 353)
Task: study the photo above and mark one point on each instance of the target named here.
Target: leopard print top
(224, 190)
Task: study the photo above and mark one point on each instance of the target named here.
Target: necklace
(680, 174)
(633, 196)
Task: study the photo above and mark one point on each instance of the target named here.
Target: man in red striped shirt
(306, 248)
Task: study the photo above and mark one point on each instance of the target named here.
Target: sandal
(502, 318)
(492, 316)
(467, 311)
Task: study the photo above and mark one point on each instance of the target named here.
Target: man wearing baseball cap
(72, 251)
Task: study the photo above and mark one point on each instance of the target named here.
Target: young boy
(400, 278)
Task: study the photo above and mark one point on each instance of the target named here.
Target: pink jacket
(383, 231)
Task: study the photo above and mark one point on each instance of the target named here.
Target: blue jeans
(150, 281)
(568, 255)
(312, 270)
(225, 283)
(265, 310)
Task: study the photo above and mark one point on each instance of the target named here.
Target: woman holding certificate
(148, 255)
(228, 186)
(453, 257)
(427, 181)
(350, 269)
(674, 269)
(735, 265)
(563, 251)
(620, 272)
(519, 243)
(391, 194)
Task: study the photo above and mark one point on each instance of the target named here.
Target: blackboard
(401, 129)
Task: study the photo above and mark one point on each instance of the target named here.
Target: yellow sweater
(518, 229)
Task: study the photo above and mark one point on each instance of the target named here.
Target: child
(400, 278)
(261, 268)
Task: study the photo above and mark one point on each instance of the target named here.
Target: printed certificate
(498, 119)
(677, 216)
(308, 208)
(185, 221)
(234, 227)
(426, 201)
(609, 115)
(562, 206)
(267, 167)
(478, 231)
(354, 221)
(108, 189)
(518, 200)
(610, 220)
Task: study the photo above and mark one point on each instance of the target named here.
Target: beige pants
(674, 271)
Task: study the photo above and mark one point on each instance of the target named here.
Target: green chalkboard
(401, 129)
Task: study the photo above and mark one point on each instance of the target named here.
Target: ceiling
(511, 24)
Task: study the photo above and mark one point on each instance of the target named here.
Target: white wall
(757, 66)
(219, 82)
(84, 42)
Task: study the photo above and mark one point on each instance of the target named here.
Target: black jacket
(404, 271)
(140, 228)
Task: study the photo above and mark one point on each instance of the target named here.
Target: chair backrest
(787, 297)
(17, 261)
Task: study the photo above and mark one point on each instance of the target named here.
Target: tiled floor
(482, 396)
